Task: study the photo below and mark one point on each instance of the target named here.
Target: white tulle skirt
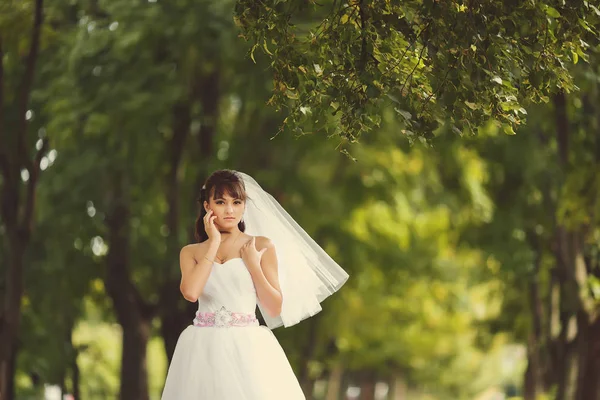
(238, 363)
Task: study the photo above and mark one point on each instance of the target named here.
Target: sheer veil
(307, 274)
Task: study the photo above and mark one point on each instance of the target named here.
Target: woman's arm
(195, 265)
(266, 278)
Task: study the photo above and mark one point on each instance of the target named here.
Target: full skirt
(237, 363)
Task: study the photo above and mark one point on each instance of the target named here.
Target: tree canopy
(336, 64)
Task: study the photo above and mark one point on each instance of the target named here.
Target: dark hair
(218, 183)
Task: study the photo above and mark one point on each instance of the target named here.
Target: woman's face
(228, 210)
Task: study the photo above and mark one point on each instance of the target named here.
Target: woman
(250, 252)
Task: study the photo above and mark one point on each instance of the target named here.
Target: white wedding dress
(224, 362)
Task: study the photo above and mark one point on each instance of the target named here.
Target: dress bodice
(230, 285)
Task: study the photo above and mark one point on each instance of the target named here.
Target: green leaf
(508, 129)
(472, 106)
(553, 12)
(405, 114)
(266, 48)
(393, 98)
(585, 25)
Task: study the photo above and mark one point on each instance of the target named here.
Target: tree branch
(4, 169)
(410, 45)
(27, 82)
(363, 34)
(327, 25)
(441, 85)
(34, 172)
(413, 70)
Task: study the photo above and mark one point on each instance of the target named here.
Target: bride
(250, 253)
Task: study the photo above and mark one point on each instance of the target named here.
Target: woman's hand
(210, 228)
(250, 255)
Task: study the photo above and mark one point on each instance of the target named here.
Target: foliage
(336, 65)
(436, 239)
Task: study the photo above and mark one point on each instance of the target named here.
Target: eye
(219, 201)
(238, 202)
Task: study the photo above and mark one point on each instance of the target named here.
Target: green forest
(446, 153)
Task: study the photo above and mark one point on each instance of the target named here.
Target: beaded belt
(223, 318)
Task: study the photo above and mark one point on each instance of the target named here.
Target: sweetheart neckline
(231, 259)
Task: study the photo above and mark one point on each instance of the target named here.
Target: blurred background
(473, 261)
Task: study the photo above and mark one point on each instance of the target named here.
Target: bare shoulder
(191, 249)
(261, 241)
(264, 242)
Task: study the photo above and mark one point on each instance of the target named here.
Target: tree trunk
(75, 376)
(347, 381)
(399, 389)
(171, 301)
(68, 354)
(308, 388)
(307, 382)
(588, 387)
(531, 381)
(334, 382)
(563, 361)
(72, 366)
(571, 277)
(534, 374)
(567, 354)
(367, 385)
(11, 315)
(14, 156)
(12, 368)
(588, 383)
(133, 314)
(134, 374)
